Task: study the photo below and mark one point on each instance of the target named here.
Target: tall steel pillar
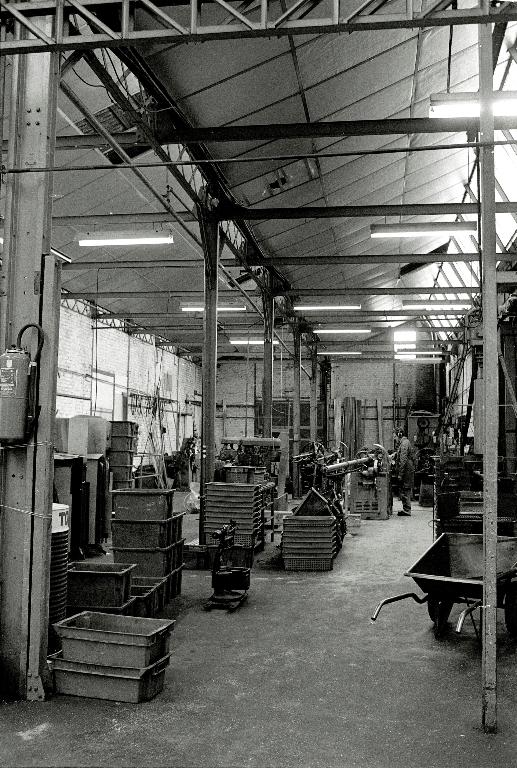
(209, 229)
(314, 394)
(491, 383)
(268, 303)
(30, 293)
(297, 363)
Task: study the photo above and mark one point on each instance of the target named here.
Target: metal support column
(491, 384)
(314, 394)
(268, 302)
(209, 229)
(296, 404)
(30, 293)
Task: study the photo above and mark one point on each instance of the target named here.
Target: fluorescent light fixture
(423, 229)
(404, 336)
(325, 307)
(219, 309)
(398, 347)
(423, 360)
(415, 352)
(430, 306)
(91, 242)
(327, 331)
(343, 354)
(504, 103)
(251, 342)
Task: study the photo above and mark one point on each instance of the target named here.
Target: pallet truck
(230, 584)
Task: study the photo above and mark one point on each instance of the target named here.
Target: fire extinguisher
(18, 400)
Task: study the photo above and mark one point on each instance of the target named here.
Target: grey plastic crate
(104, 639)
(101, 584)
(150, 561)
(141, 533)
(142, 504)
(74, 678)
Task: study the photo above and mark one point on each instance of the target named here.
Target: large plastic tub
(142, 533)
(108, 640)
(147, 602)
(73, 678)
(99, 583)
(126, 609)
(142, 504)
(158, 583)
(150, 561)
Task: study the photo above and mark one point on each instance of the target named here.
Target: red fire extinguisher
(18, 407)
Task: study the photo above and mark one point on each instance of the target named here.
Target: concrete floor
(297, 677)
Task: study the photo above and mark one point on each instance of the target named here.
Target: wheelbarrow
(450, 572)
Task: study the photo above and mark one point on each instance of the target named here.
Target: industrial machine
(230, 583)
(370, 482)
(252, 452)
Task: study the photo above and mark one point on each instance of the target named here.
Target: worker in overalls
(406, 460)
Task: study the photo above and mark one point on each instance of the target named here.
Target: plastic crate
(122, 471)
(177, 554)
(123, 443)
(141, 533)
(146, 602)
(175, 579)
(73, 678)
(120, 610)
(143, 504)
(149, 561)
(308, 563)
(104, 639)
(158, 583)
(119, 457)
(104, 584)
(124, 429)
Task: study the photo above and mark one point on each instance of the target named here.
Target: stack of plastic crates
(241, 502)
(146, 532)
(309, 543)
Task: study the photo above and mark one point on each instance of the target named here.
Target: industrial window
(103, 394)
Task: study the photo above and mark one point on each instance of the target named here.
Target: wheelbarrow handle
(396, 599)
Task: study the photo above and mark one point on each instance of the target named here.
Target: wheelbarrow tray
(452, 567)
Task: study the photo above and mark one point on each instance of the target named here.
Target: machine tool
(370, 483)
(230, 583)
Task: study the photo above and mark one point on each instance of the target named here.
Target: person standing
(406, 460)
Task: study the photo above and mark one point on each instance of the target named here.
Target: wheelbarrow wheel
(439, 612)
(510, 610)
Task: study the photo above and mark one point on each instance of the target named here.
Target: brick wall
(369, 380)
(134, 366)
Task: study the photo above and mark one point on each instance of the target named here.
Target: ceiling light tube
(321, 331)
(324, 307)
(219, 309)
(423, 360)
(342, 354)
(91, 242)
(423, 229)
(504, 103)
(404, 336)
(431, 306)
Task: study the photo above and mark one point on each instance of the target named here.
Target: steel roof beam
(236, 212)
(367, 258)
(260, 132)
(114, 23)
(388, 291)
